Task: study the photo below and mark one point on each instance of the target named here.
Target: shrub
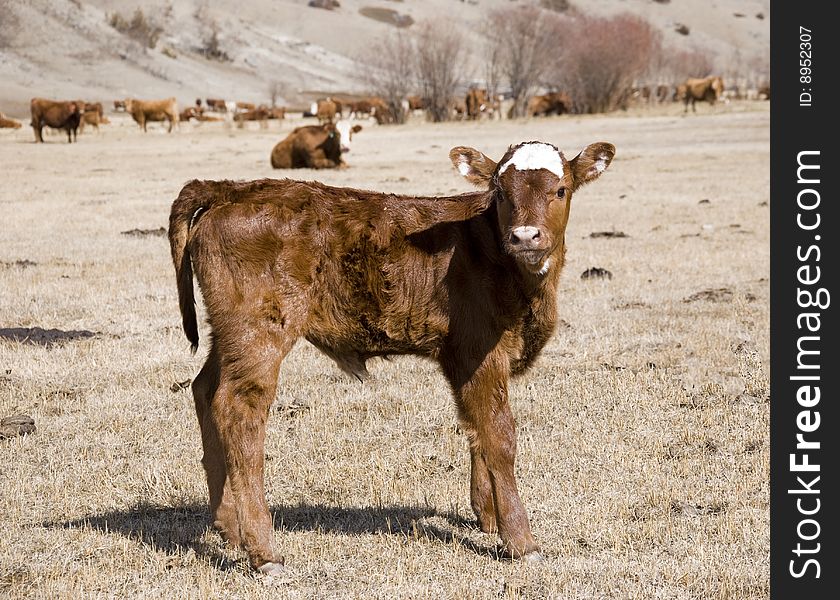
(138, 28)
(602, 57)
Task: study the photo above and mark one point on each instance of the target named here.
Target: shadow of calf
(178, 529)
(36, 336)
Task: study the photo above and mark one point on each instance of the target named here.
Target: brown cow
(325, 109)
(314, 146)
(119, 105)
(553, 103)
(416, 103)
(708, 90)
(360, 108)
(476, 102)
(469, 281)
(261, 114)
(7, 123)
(764, 91)
(216, 105)
(145, 111)
(245, 106)
(64, 115)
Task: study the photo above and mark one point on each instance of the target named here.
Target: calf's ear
(591, 162)
(476, 168)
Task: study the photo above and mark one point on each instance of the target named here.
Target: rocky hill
(106, 49)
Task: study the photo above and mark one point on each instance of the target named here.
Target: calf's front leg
(482, 399)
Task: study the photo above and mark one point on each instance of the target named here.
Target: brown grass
(643, 428)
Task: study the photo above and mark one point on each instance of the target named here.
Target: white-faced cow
(469, 281)
(315, 146)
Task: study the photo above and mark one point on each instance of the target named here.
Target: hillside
(68, 48)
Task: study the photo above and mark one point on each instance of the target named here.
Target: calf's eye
(561, 193)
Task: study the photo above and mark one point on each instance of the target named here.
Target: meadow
(643, 427)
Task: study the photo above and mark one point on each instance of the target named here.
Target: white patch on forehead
(313, 108)
(545, 267)
(531, 157)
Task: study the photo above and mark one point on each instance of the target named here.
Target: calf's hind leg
(222, 507)
(239, 411)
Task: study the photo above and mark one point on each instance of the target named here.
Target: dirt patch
(596, 273)
(712, 295)
(608, 234)
(386, 15)
(159, 232)
(16, 425)
(21, 263)
(36, 336)
(689, 509)
(180, 386)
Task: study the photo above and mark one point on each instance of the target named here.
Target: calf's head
(532, 188)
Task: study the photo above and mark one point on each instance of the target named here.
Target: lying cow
(709, 89)
(64, 115)
(553, 103)
(7, 123)
(144, 111)
(469, 281)
(314, 147)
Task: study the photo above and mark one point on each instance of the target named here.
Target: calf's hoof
(533, 557)
(531, 553)
(273, 569)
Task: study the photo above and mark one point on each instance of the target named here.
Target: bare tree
(440, 65)
(389, 71)
(276, 89)
(8, 23)
(493, 71)
(601, 57)
(524, 41)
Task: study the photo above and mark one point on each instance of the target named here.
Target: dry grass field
(643, 427)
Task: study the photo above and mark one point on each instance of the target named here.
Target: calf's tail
(193, 199)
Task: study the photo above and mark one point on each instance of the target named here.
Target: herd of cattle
(321, 146)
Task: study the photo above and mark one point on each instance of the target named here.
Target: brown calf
(91, 117)
(314, 146)
(469, 281)
(64, 115)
